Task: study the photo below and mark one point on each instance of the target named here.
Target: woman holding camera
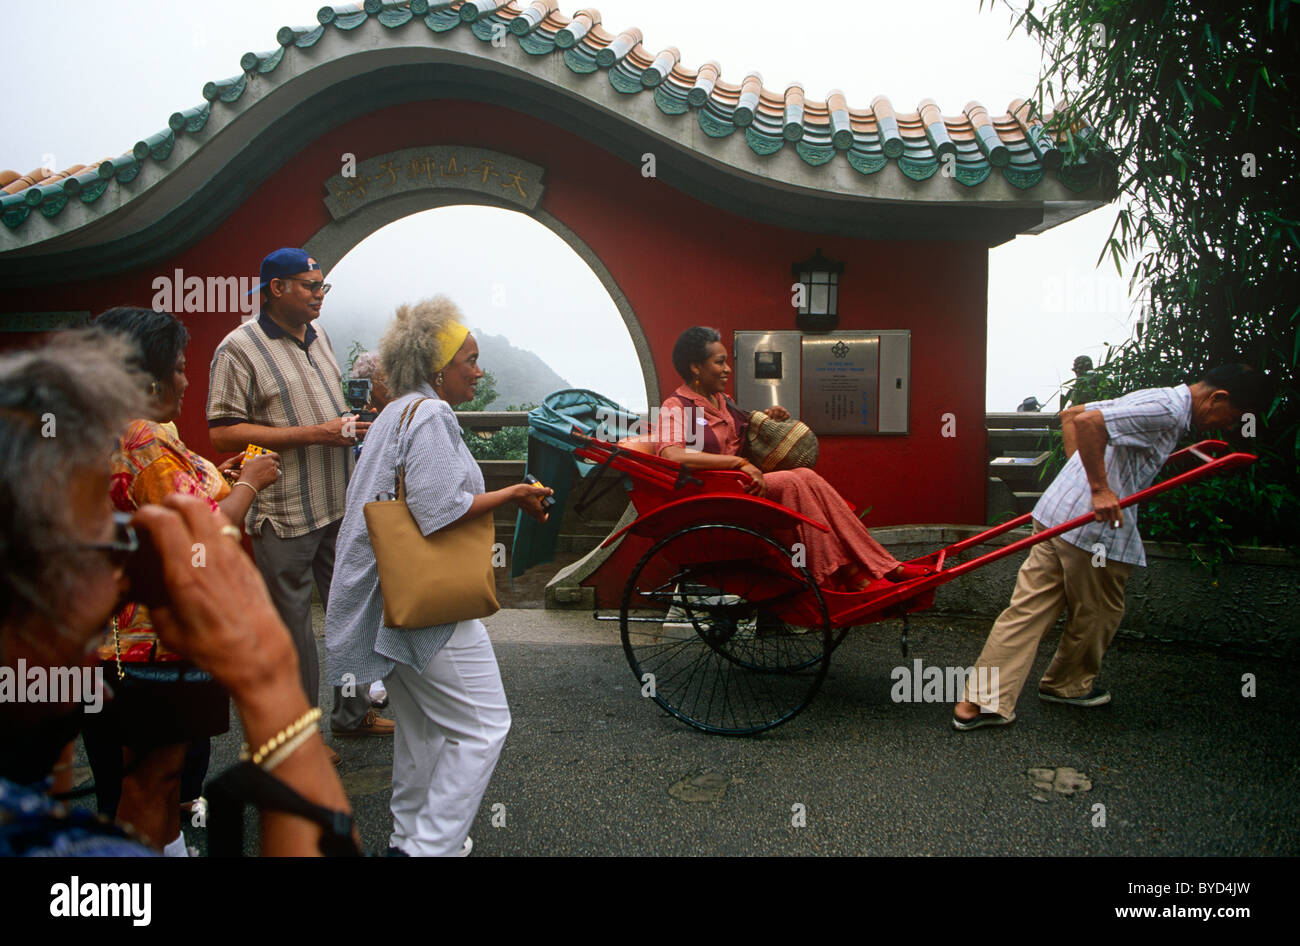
(442, 681)
(63, 565)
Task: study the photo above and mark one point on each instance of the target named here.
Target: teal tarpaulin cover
(551, 460)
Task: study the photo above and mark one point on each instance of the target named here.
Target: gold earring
(437, 381)
(153, 388)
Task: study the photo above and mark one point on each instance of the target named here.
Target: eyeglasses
(123, 544)
(313, 285)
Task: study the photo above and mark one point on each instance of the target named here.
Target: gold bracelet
(289, 748)
(280, 738)
(249, 485)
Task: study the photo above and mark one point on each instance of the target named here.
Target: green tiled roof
(973, 145)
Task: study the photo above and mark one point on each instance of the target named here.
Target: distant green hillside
(521, 376)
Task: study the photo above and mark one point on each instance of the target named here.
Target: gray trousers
(288, 567)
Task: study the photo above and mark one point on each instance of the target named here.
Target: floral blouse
(150, 463)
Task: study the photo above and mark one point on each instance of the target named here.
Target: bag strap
(403, 425)
(739, 415)
(246, 782)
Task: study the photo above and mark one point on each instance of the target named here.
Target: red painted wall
(679, 261)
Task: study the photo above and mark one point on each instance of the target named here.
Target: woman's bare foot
(908, 572)
(966, 710)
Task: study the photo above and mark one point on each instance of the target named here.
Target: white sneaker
(468, 846)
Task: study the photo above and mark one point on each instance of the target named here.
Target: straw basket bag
(779, 444)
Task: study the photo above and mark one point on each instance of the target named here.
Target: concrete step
(1025, 501)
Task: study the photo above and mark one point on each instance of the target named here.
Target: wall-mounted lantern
(819, 279)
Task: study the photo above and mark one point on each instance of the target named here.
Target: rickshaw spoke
(724, 659)
(676, 673)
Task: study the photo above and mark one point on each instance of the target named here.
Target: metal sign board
(841, 383)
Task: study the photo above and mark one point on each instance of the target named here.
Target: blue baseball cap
(286, 261)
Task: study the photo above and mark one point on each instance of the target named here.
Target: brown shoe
(372, 725)
(334, 757)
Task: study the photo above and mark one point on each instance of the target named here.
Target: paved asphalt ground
(1182, 762)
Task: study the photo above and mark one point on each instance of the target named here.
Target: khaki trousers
(1055, 574)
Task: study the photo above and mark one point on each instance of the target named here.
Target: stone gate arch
(352, 221)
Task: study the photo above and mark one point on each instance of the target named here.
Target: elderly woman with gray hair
(66, 561)
(368, 367)
(442, 681)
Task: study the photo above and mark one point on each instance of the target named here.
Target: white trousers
(452, 720)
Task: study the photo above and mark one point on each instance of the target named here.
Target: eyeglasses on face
(123, 544)
(313, 285)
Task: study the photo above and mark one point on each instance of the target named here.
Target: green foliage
(1193, 105)
(508, 443)
(355, 352)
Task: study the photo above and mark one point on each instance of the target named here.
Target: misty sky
(94, 80)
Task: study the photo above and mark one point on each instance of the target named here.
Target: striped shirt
(1142, 428)
(442, 480)
(262, 375)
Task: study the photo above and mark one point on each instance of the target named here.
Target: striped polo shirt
(261, 374)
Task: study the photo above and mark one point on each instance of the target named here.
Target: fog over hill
(521, 376)
(572, 328)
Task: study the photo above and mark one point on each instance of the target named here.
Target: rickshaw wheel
(702, 628)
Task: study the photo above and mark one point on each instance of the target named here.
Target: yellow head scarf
(449, 340)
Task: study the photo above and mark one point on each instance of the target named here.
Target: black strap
(684, 478)
(247, 782)
(587, 493)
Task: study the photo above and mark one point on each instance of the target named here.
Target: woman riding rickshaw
(846, 558)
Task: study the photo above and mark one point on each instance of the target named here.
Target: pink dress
(717, 430)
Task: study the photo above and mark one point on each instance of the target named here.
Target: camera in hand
(357, 393)
(144, 573)
(547, 501)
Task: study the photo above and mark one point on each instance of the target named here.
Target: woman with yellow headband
(442, 681)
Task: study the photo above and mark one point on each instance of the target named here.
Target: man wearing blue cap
(274, 382)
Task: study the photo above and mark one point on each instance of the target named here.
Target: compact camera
(357, 393)
(547, 501)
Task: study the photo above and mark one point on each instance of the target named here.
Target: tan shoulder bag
(427, 580)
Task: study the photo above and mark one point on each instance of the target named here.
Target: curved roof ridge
(1023, 147)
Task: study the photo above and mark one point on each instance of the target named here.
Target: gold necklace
(117, 650)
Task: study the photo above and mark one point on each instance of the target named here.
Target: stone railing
(581, 532)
